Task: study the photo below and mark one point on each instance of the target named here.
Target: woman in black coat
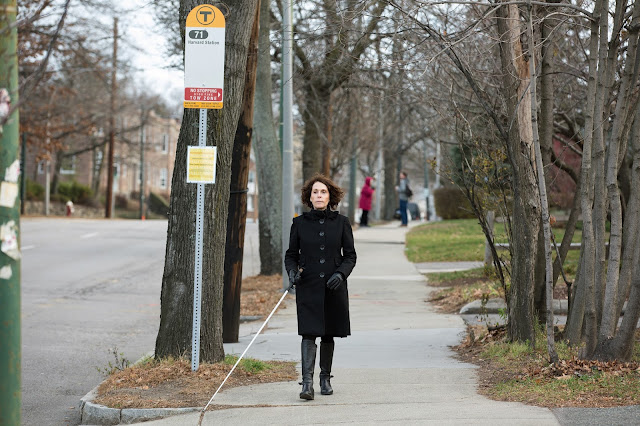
(320, 257)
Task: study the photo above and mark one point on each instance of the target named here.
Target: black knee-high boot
(326, 359)
(309, 348)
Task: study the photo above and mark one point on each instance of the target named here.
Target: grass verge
(462, 287)
(518, 372)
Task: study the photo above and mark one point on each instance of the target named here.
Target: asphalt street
(89, 286)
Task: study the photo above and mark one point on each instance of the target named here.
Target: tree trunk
(585, 297)
(615, 146)
(176, 309)
(621, 346)
(237, 216)
(526, 203)
(546, 148)
(268, 157)
(544, 204)
(315, 117)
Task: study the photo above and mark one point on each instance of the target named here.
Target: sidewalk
(396, 368)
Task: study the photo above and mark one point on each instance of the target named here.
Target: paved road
(88, 286)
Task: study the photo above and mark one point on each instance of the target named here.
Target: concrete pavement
(396, 368)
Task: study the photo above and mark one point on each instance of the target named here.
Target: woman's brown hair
(335, 192)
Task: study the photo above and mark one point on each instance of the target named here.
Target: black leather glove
(294, 278)
(335, 281)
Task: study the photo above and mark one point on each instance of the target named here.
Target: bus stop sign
(204, 58)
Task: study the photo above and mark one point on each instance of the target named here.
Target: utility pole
(287, 129)
(10, 353)
(142, 137)
(427, 212)
(112, 123)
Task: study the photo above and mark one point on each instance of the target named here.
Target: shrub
(451, 203)
(158, 204)
(35, 191)
(122, 202)
(76, 192)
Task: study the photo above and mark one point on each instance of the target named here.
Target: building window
(68, 165)
(165, 143)
(41, 165)
(163, 178)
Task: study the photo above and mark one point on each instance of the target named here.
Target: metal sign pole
(197, 277)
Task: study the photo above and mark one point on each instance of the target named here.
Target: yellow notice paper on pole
(201, 164)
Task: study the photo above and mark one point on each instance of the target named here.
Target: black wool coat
(321, 242)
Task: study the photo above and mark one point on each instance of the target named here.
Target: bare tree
(174, 335)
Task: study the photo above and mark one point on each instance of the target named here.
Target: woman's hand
(335, 281)
(294, 278)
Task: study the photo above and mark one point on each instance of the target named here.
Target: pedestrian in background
(366, 196)
(320, 257)
(403, 195)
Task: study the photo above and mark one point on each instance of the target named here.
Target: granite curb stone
(96, 414)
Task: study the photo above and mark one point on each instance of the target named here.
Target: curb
(96, 414)
(493, 306)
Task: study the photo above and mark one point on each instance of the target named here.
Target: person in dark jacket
(403, 196)
(320, 257)
(366, 196)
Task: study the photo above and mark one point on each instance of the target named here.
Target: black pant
(326, 339)
(364, 219)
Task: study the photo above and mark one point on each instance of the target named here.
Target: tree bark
(268, 156)
(621, 346)
(174, 334)
(546, 149)
(544, 205)
(585, 291)
(526, 203)
(610, 304)
(237, 211)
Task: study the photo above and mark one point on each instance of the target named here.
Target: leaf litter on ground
(170, 383)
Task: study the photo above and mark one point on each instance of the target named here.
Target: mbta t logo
(206, 15)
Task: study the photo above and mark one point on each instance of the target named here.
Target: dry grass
(171, 383)
(515, 372)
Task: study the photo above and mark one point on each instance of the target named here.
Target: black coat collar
(320, 214)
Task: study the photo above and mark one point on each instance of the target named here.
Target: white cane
(245, 351)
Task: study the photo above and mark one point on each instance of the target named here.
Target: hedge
(158, 204)
(76, 192)
(451, 203)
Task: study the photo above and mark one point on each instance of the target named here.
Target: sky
(138, 28)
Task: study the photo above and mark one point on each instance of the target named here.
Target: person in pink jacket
(366, 196)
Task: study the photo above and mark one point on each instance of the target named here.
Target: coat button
(322, 260)
(321, 274)
(322, 234)
(321, 221)
(322, 247)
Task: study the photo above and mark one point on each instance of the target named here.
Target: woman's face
(319, 196)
